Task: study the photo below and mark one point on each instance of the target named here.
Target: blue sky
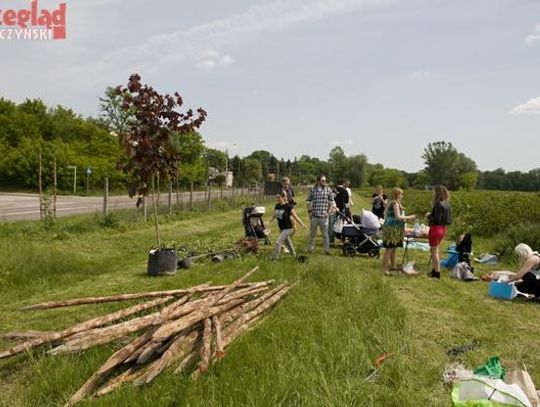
(382, 78)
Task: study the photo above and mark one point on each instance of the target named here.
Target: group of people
(323, 203)
(393, 229)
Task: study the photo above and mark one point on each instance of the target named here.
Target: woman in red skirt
(439, 218)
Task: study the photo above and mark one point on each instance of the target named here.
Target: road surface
(26, 206)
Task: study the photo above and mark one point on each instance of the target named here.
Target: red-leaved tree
(147, 140)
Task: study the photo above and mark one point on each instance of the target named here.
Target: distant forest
(58, 134)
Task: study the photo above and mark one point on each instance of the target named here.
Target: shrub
(110, 221)
(528, 233)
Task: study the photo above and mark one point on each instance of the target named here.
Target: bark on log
(122, 297)
(25, 335)
(199, 314)
(83, 327)
(265, 306)
(117, 358)
(218, 350)
(206, 350)
(179, 348)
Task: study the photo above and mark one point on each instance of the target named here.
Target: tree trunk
(156, 219)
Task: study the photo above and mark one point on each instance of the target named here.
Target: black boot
(435, 274)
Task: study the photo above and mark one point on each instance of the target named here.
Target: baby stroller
(359, 239)
(253, 223)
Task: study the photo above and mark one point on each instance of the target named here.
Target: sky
(377, 77)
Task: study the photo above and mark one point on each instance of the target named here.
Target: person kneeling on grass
(529, 270)
(284, 213)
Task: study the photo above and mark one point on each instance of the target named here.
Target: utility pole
(74, 168)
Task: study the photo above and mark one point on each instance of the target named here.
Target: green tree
(444, 164)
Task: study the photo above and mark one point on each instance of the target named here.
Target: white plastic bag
(482, 389)
(338, 225)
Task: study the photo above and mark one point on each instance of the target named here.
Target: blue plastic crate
(504, 291)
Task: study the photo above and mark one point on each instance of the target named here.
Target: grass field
(315, 349)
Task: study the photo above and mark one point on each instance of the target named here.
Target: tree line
(30, 129)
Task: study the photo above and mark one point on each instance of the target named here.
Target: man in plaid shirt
(320, 203)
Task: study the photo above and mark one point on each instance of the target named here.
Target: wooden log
(204, 364)
(203, 288)
(116, 359)
(242, 294)
(265, 306)
(179, 348)
(171, 328)
(127, 376)
(227, 317)
(123, 297)
(83, 327)
(200, 313)
(25, 335)
(188, 360)
(100, 336)
(219, 349)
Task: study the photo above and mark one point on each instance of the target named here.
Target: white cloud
(337, 142)
(420, 74)
(534, 36)
(531, 107)
(222, 145)
(212, 59)
(219, 36)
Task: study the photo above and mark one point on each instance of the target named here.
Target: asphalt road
(26, 206)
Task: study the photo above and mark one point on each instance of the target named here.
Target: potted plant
(150, 143)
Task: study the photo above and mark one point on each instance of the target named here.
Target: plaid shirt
(321, 199)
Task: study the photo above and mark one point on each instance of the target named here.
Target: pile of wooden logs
(189, 326)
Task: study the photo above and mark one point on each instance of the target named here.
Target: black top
(290, 195)
(283, 216)
(378, 205)
(441, 214)
(342, 198)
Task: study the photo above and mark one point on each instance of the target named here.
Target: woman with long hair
(439, 218)
(393, 229)
(529, 270)
(284, 213)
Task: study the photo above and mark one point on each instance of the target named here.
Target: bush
(484, 213)
(528, 233)
(110, 221)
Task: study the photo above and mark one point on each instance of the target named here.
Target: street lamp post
(74, 168)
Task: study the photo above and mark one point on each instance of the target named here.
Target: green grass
(316, 348)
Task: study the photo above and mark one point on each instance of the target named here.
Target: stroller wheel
(349, 250)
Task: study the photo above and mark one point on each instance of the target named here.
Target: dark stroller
(358, 239)
(253, 223)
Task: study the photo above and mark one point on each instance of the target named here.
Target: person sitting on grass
(528, 276)
(284, 213)
(393, 230)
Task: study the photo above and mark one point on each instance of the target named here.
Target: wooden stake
(81, 329)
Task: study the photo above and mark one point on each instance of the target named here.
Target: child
(284, 213)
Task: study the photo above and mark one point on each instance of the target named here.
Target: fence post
(191, 195)
(170, 197)
(105, 196)
(144, 208)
